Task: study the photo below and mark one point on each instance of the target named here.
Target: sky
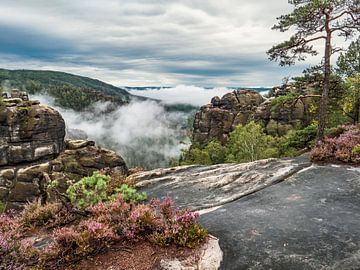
(204, 43)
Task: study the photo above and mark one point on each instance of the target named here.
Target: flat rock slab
(201, 187)
(309, 221)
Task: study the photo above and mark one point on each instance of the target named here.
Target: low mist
(143, 132)
(183, 94)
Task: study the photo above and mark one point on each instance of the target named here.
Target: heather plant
(105, 224)
(35, 216)
(343, 148)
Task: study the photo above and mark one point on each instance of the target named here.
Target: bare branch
(302, 97)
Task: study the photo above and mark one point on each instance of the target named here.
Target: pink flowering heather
(340, 148)
(106, 223)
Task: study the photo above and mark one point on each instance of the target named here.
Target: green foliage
(349, 63)
(297, 140)
(280, 101)
(70, 97)
(312, 79)
(33, 87)
(356, 150)
(250, 143)
(308, 19)
(129, 194)
(213, 153)
(2, 207)
(47, 79)
(93, 189)
(351, 101)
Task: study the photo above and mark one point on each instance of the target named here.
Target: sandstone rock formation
(216, 120)
(26, 182)
(32, 145)
(29, 131)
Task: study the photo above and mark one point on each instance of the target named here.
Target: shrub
(213, 153)
(106, 223)
(343, 148)
(296, 140)
(92, 190)
(35, 216)
(129, 194)
(250, 143)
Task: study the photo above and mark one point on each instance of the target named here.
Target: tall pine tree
(315, 20)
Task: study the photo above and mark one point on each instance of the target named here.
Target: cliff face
(33, 151)
(216, 120)
(29, 131)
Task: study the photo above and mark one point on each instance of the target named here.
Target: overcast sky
(147, 42)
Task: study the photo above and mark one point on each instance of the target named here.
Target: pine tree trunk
(357, 111)
(326, 84)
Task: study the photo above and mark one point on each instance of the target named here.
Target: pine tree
(316, 20)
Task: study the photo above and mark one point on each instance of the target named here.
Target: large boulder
(29, 131)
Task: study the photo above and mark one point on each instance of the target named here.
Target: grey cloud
(142, 42)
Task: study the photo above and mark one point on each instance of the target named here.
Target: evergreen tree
(349, 63)
(316, 20)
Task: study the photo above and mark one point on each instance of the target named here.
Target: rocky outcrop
(29, 131)
(23, 183)
(33, 151)
(271, 214)
(216, 120)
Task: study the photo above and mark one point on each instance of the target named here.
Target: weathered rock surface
(306, 217)
(29, 131)
(23, 183)
(200, 187)
(216, 120)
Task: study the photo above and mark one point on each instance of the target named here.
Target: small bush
(35, 216)
(343, 148)
(296, 140)
(106, 223)
(94, 189)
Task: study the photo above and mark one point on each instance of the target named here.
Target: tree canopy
(349, 63)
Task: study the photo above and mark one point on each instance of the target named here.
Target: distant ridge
(19, 79)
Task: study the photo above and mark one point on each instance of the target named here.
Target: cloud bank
(183, 94)
(145, 42)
